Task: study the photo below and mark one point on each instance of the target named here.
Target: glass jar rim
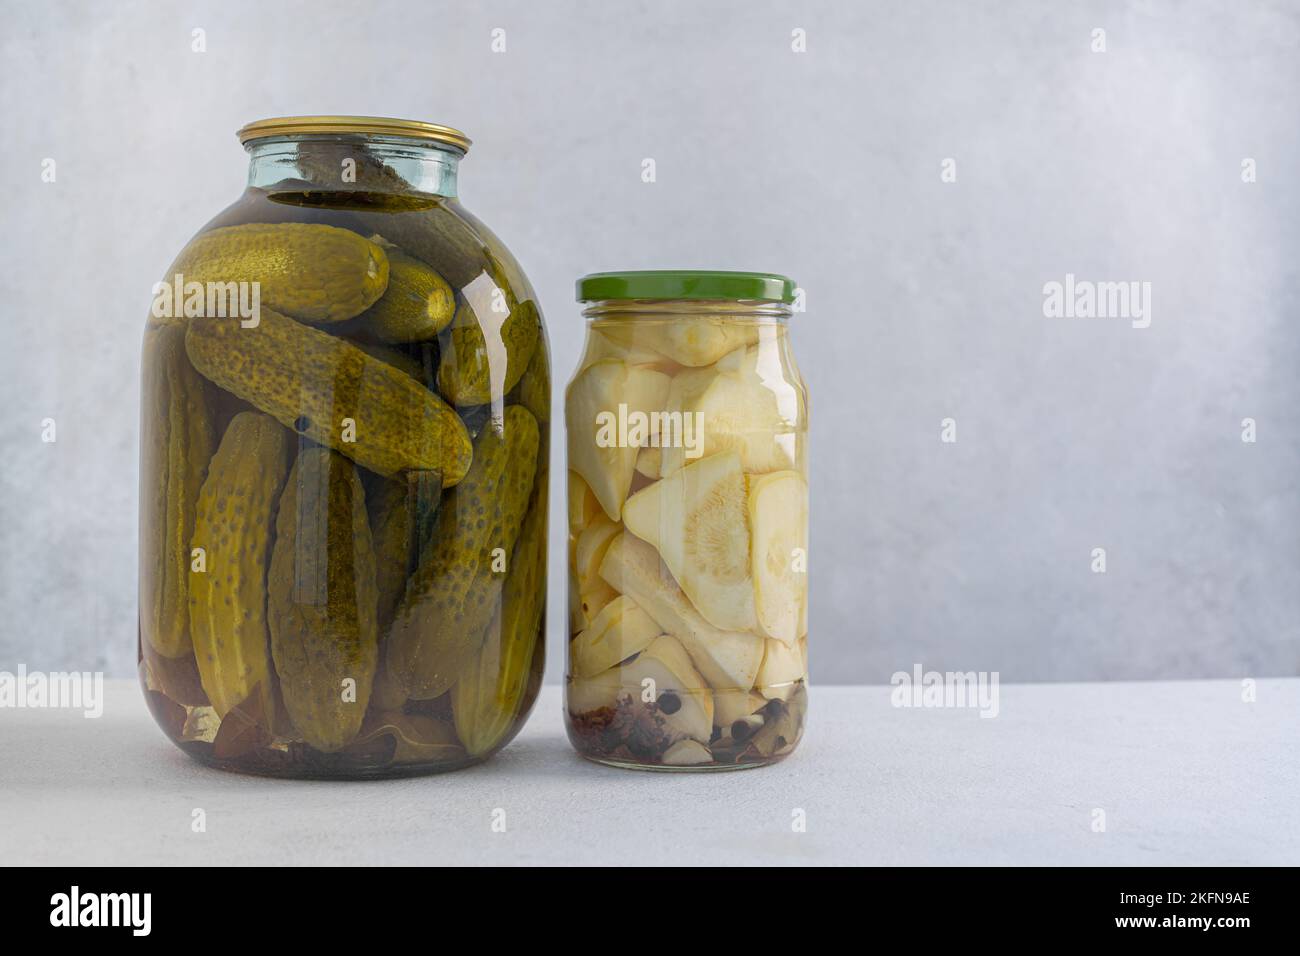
(280, 126)
(685, 284)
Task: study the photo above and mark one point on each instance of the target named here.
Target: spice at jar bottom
(687, 434)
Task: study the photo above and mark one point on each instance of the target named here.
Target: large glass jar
(345, 398)
(687, 430)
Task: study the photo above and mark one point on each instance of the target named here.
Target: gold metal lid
(357, 125)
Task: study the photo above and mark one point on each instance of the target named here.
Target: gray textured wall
(925, 297)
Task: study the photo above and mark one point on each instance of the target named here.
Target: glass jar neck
(383, 164)
(740, 310)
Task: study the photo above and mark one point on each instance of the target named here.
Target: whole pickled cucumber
(489, 694)
(535, 386)
(443, 236)
(453, 593)
(417, 305)
(393, 532)
(481, 360)
(314, 383)
(177, 439)
(322, 599)
(402, 510)
(233, 525)
(310, 271)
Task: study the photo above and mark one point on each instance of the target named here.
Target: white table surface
(1186, 773)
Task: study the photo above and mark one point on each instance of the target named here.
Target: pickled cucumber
(392, 532)
(317, 384)
(323, 599)
(453, 594)
(233, 527)
(483, 359)
(177, 439)
(310, 271)
(489, 694)
(416, 306)
(443, 236)
(403, 512)
(535, 386)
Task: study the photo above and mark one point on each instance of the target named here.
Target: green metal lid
(685, 284)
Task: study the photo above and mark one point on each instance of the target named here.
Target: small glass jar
(345, 398)
(687, 428)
